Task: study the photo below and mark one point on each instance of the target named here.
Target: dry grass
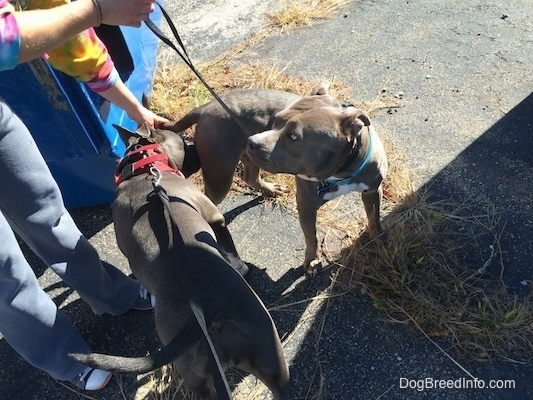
(418, 278)
(165, 384)
(177, 90)
(294, 14)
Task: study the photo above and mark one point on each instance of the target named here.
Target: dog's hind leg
(217, 185)
(218, 158)
(255, 348)
(197, 377)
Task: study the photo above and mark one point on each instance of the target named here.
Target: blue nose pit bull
(239, 325)
(332, 151)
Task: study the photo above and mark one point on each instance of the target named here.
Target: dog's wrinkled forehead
(304, 104)
(322, 124)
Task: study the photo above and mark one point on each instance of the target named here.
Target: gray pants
(32, 206)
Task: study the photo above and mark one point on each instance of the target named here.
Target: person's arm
(82, 56)
(40, 31)
(121, 96)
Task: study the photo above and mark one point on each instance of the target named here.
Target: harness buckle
(323, 188)
(127, 172)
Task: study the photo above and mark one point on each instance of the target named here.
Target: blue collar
(325, 185)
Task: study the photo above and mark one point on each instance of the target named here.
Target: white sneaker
(92, 379)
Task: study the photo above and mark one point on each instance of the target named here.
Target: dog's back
(220, 141)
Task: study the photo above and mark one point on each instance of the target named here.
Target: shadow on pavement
(496, 174)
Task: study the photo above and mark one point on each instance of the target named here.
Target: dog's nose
(251, 144)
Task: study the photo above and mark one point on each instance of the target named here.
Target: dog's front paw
(313, 268)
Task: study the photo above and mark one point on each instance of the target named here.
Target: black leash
(185, 272)
(185, 57)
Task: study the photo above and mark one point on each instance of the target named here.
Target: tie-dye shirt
(83, 57)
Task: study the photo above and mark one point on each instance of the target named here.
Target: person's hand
(124, 12)
(142, 115)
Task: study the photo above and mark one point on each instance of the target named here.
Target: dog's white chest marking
(344, 189)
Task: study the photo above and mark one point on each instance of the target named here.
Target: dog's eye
(293, 131)
(292, 135)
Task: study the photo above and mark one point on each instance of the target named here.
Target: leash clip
(158, 188)
(156, 176)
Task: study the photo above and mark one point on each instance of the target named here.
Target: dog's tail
(184, 339)
(185, 122)
(191, 163)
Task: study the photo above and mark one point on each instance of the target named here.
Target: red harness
(141, 160)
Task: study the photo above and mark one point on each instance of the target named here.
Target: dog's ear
(352, 122)
(125, 134)
(320, 88)
(145, 131)
(362, 116)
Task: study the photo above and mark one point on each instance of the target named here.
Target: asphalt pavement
(462, 71)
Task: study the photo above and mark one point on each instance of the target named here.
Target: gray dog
(332, 149)
(240, 327)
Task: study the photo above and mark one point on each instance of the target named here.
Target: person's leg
(29, 320)
(32, 203)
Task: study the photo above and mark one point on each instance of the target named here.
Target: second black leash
(185, 57)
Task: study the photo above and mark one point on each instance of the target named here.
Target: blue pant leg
(29, 320)
(31, 201)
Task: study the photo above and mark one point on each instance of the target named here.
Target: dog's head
(312, 143)
(181, 155)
